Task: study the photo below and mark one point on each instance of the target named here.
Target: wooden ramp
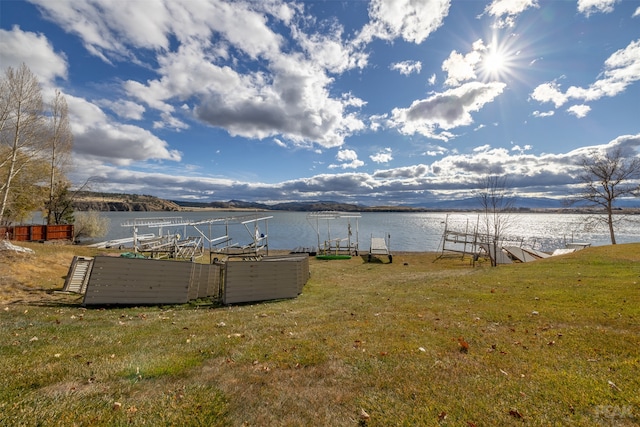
(78, 275)
(536, 253)
(379, 246)
(521, 254)
(378, 250)
(499, 257)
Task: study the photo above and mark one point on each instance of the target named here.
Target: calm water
(407, 231)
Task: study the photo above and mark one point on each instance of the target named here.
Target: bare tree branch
(60, 145)
(606, 178)
(496, 206)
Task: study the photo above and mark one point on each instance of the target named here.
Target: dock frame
(176, 245)
(335, 245)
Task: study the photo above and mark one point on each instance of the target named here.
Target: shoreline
(584, 211)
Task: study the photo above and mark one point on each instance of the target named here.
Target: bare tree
(90, 224)
(496, 205)
(606, 178)
(60, 145)
(21, 126)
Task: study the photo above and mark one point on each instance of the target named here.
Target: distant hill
(288, 206)
(132, 202)
(520, 203)
(104, 202)
(472, 203)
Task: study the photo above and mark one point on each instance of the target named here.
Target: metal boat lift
(459, 242)
(332, 245)
(258, 241)
(172, 245)
(499, 249)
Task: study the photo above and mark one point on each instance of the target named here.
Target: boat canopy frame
(330, 245)
(207, 237)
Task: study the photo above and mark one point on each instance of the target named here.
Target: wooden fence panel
(24, 233)
(4, 233)
(59, 232)
(35, 233)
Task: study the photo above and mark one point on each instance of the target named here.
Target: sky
(383, 102)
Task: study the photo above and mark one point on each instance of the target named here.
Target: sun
(494, 62)
(498, 59)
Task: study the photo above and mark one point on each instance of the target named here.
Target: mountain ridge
(99, 201)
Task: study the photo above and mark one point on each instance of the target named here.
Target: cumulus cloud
(40, 57)
(123, 108)
(170, 121)
(621, 69)
(552, 173)
(435, 150)
(628, 145)
(505, 11)
(383, 156)
(96, 136)
(412, 20)
(454, 174)
(287, 96)
(378, 121)
(407, 67)
(415, 171)
(526, 169)
(460, 67)
(266, 70)
(521, 149)
(295, 104)
(588, 7)
(91, 23)
(543, 113)
(549, 92)
(329, 50)
(434, 116)
(109, 30)
(348, 160)
(580, 111)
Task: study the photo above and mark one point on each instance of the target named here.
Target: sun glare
(494, 62)
(499, 59)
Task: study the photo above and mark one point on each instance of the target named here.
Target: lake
(413, 232)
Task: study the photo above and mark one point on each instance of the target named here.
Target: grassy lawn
(413, 343)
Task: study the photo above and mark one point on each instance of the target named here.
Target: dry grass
(415, 342)
(28, 277)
